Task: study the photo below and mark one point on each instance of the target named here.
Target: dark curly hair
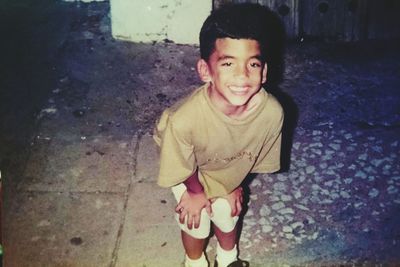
(238, 21)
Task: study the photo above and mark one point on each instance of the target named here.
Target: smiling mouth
(239, 90)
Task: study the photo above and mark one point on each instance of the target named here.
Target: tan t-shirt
(193, 134)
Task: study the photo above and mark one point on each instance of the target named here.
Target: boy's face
(235, 71)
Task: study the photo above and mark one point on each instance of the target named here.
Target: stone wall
(156, 20)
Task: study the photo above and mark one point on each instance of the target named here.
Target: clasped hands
(191, 205)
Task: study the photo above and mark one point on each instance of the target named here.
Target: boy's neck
(232, 111)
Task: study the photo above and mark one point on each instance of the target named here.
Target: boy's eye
(227, 64)
(255, 65)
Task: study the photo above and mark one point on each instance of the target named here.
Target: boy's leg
(193, 247)
(227, 241)
(225, 229)
(226, 247)
(194, 239)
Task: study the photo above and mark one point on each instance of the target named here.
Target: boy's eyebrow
(224, 57)
(258, 56)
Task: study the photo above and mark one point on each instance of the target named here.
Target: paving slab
(150, 236)
(148, 160)
(62, 229)
(94, 164)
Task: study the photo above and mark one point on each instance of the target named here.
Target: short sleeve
(177, 160)
(268, 161)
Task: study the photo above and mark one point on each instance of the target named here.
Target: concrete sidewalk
(95, 203)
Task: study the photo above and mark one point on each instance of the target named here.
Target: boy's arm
(235, 200)
(192, 202)
(193, 184)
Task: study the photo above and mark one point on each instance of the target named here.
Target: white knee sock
(226, 257)
(200, 262)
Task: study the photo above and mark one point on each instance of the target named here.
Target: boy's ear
(203, 70)
(264, 74)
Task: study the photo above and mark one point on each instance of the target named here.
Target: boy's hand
(191, 205)
(235, 199)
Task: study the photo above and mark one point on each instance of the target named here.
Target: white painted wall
(156, 20)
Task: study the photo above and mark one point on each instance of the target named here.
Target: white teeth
(238, 89)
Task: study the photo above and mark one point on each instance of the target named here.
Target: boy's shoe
(238, 263)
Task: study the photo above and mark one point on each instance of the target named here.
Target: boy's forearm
(193, 184)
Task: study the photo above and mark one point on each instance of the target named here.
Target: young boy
(224, 130)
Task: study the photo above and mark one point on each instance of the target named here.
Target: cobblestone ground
(337, 203)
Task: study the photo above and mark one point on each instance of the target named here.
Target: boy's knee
(222, 217)
(221, 208)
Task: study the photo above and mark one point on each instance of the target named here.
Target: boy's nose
(241, 71)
